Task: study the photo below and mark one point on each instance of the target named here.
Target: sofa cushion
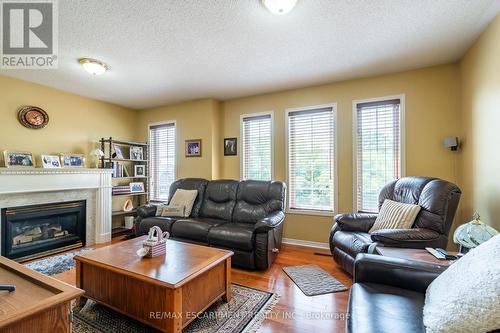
(219, 200)
(165, 223)
(257, 199)
(184, 198)
(232, 235)
(194, 229)
(395, 215)
(381, 308)
(352, 242)
(198, 184)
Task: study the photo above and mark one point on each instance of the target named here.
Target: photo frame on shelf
(230, 146)
(137, 187)
(140, 170)
(136, 153)
(50, 161)
(18, 159)
(193, 148)
(73, 160)
(118, 153)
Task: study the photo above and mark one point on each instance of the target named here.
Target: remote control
(435, 253)
(446, 254)
(7, 287)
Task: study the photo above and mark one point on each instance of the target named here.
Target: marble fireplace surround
(24, 187)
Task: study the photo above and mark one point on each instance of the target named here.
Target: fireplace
(30, 232)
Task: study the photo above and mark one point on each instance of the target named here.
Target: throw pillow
(395, 215)
(159, 209)
(173, 211)
(466, 296)
(184, 198)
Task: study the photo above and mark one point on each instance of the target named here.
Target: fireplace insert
(34, 231)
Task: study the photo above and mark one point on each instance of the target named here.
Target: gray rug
(243, 314)
(55, 264)
(313, 280)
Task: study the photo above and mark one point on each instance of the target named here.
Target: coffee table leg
(175, 323)
(227, 296)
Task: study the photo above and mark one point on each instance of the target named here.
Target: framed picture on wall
(230, 147)
(193, 148)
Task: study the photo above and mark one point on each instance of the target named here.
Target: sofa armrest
(355, 222)
(402, 273)
(269, 222)
(404, 237)
(146, 211)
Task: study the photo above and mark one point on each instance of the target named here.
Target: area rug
(243, 314)
(55, 264)
(313, 280)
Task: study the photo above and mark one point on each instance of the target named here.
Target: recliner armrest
(355, 222)
(395, 237)
(402, 273)
(146, 211)
(269, 222)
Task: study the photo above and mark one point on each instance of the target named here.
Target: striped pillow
(395, 215)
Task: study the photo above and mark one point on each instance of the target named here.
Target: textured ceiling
(166, 51)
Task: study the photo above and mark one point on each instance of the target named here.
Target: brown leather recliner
(438, 200)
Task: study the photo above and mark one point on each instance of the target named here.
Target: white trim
(289, 210)
(256, 114)
(168, 122)
(300, 242)
(402, 141)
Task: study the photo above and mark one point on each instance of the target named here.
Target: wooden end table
(165, 292)
(412, 254)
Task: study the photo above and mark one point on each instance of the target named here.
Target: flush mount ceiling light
(279, 7)
(92, 66)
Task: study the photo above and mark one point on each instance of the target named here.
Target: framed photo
(73, 160)
(193, 148)
(140, 171)
(230, 146)
(50, 161)
(118, 152)
(17, 159)
(137, 187)
(136, 153)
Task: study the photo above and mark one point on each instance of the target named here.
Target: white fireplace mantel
(56, 183)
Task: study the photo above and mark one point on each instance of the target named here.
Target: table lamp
(473, 233)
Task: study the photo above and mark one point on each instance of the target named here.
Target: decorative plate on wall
(33, 117)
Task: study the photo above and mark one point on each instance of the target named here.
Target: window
(257, 142)
(162, 160)
(311, 159)
(377, 149)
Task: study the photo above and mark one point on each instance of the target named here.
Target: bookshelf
(123, 157)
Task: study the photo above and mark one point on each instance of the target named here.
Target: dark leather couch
(245, 217)
(388, 294)
(438, 200)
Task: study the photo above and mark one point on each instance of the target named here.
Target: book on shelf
(119, 170)
(120, 189)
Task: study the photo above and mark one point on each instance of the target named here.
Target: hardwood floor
(295, 312)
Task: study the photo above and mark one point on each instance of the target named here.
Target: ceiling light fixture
(92, 66)
(279, 7)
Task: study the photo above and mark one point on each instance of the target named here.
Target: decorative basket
(156, 244)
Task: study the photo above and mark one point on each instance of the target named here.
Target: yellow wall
(480, 159)
(432, 112)
(198, 119)
(75, 124)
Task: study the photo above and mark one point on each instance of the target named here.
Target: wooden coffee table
(165, 292)
(412, 254)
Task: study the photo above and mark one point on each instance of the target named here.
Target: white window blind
(311, 154)
(257, 147)
(378, 149)
(162, 160)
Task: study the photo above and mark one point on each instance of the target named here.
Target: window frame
(150, 164)
(241, 143)
(335, 191)
(402, 140)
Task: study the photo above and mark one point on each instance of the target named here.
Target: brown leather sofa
(245, 217)
(388, 294)
(438, 200)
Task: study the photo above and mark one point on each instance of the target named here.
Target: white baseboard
(301, 242)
